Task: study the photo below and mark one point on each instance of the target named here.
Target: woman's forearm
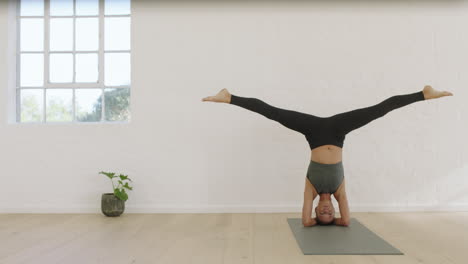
(340, 222)
(310, 222)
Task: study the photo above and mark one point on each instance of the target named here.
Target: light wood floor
(217, 238)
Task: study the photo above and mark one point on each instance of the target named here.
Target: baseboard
(131, 208)
(410, 208)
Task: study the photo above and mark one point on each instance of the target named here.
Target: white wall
(191, 156)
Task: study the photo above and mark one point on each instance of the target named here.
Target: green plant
(123, 180)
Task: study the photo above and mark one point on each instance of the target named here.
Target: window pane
(32, 70)
(61, 68)
(61, 34)
(88, 103)
(117, 7)
(117, 33)
(32, 105)
(87, 34)
(32, 34)
(117, 69)
(59, 105)
(61, 7)
(32, 7)
(87, 7)
(117, 104)
(86, 67)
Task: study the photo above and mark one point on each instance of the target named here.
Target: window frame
(14, 105)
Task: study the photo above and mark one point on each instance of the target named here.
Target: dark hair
(323, 223)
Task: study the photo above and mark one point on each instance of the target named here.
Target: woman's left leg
(300, 122)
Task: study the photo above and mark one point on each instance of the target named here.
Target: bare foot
(431, 93)
(222, 96)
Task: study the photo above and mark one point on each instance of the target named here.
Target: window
(73, 61)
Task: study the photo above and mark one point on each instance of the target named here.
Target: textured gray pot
(111, 205)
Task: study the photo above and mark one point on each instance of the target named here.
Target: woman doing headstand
(326, 136)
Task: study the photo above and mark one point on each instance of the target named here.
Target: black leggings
(326, 130)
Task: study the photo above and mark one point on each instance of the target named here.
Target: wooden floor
(217, 238)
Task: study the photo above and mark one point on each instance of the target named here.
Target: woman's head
(325, 212)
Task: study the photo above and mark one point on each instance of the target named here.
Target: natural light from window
(73, 61)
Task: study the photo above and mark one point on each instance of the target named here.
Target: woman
(326, 136)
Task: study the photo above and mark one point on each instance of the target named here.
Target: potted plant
(113, 204)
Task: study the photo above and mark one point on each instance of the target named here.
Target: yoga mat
(354, 239)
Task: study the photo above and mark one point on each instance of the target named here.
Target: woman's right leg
(351, 120)
(294, 120)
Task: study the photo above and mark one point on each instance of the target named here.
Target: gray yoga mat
(354, 239)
